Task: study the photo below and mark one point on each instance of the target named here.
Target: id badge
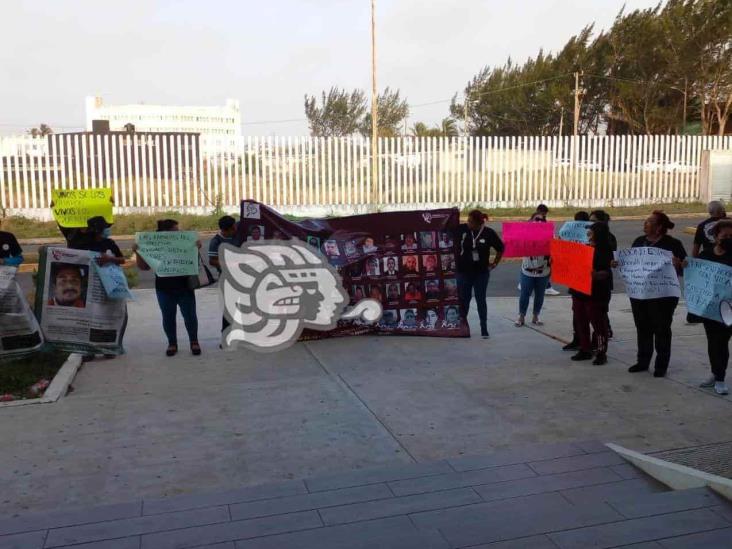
(476, 257)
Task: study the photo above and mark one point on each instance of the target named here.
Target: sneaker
(720, 387)
(571, 346)
(600, 359)
(551, 291)
(582, 355)
(659, 373)
(708, 383)
(637, 368)
(485, 335)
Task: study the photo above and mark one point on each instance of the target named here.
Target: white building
(223, 122)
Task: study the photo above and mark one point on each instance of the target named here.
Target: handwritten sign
(706, 286)
(576, 231)
(572, 265)
(114, 281)
(169, 253)
(527, 238)
(72, 207)
(648, 273)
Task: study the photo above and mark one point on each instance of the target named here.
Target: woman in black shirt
(653, 317)
(592, 309)
(718, 334)
(476, 239)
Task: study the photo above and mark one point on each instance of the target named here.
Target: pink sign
(527, 238)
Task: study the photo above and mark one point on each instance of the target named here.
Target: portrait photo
(432, 289)
(369, 246)
(350, 248)
(330, 248)
(376, 293)
(451, 289)
(372, 266)
(409, 242)
(256, 232)
(69, 285)
(409, 319)
(391, 267)
(314, 241)
(389, 319)
(355, 270)
(429, 263)
(392, 292)
(412, 292)
(410, 265)
(430, 319)
(445, 240)
(357, 293)
(447, 262)
(451, 317)
(427, 240)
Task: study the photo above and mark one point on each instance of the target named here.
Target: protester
(174, 292)
(653, 317)
(226, 235)
(718, 333)
(543, 211)
(592, 309)
(704, 238)
(574, 344)
(11, 254)
(534, 278)
(582, 216)
(474, 264)
(602, 216)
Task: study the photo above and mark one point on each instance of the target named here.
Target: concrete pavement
(144, 425)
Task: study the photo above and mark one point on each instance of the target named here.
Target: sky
(266, 54)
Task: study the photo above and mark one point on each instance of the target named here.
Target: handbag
(204, 277)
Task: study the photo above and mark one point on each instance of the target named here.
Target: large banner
(19, 330)
(169, 253)
(72, 307)
(73, 207)
(572, 264)
(527, 238)
(648, 273)
(707, 285)
(405, 260)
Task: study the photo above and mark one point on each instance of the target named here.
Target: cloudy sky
(267, 54)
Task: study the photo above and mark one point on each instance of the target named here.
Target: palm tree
(41, 131)
(448, 128)
(420, 130)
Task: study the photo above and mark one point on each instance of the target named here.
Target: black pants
(718, 347)
(588, 313)
(653, 318)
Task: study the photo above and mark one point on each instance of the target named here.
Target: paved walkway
(566, 496)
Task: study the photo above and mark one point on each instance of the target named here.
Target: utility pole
(561, 122)
(374, 111)
(577, 98)
(686, 85)
(465, 113)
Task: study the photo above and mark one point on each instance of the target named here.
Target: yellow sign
(72, 207)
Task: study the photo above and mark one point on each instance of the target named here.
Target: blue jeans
(536, 285)
(169, 303)
(474, 282)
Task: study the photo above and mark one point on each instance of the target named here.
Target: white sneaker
(708, 383)
(720, 387)
(551, 291)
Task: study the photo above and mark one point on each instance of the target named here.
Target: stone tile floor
(563, 495)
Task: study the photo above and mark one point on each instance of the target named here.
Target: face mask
(107, 232)
(726, 244)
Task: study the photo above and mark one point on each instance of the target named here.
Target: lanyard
(476, 237)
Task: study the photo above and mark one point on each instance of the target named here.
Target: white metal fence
(304, 174)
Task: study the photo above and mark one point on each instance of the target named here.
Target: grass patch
(19, 374)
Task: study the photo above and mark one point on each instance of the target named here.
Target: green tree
(339, 112)
(392, 111)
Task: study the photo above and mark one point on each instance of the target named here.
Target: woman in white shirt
(535, 273)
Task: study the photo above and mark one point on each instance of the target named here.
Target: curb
(59, 385)
(677, 477)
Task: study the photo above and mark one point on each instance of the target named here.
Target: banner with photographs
(19, 330)
(406, 260)
(72, 306)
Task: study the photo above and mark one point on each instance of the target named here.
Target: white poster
(648, 273)
(19, 331)
(72, 306)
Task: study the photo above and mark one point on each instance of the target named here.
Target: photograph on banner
(19, 330)
(526, 238)
(391, 257)
(72, 306)
(572, 264)
(114, 281)
(707, 284)
(73, 207)
(169, 253)
(575, 231)
(648, 273)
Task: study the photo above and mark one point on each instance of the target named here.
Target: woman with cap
(653, 317)
(474, 264)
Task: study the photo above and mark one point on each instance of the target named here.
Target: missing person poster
(72, 306)
(405, 260)
(19, 330)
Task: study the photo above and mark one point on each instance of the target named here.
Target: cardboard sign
(708, 289)
(575, 231)
(572, 265)
(73, 207)
(648, 273)
(169, 253)
(527, 238)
